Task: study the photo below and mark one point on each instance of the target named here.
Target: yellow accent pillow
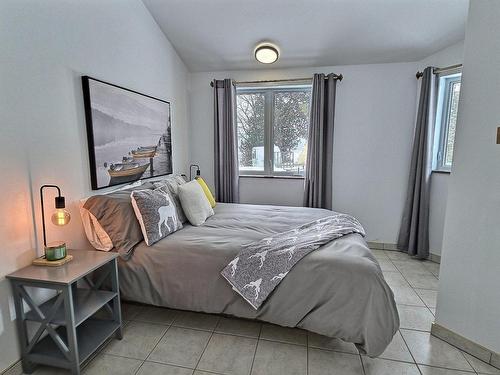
(207, 191)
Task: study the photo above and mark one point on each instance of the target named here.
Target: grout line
(446, 368)
(407, 347)
(206, 345)
(362, 364)
(307, 353)
(139, 368)
(256, 345)
(456, 347)
(161, 338)
(392, 360)
(171, 365)
(470, 364)
(284, 342)
(410, 285)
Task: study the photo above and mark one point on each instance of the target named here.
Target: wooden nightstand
(74, 330)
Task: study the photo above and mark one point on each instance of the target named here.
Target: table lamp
(197, 171)
(55, 250)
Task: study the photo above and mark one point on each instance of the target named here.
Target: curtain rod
(339, 77)
(440, 70)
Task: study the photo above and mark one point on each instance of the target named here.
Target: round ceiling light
(266, 54)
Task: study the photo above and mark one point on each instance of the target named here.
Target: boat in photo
(144, 152)
(127, 169)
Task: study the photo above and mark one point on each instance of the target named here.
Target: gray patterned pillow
(171, 184)
(156, 212)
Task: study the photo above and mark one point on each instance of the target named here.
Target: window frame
(443, 110)
(269, 111)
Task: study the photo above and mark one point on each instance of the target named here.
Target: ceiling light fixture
(266, 53)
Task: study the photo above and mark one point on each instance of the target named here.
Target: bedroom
(173, 50)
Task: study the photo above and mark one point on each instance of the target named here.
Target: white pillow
(194, 203)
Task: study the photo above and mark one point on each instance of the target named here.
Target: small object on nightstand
(52, 263)
(56, 251)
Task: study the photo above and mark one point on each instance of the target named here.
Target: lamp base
(55, 251)
(52, 263)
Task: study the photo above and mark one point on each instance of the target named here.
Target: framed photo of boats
(129, 134)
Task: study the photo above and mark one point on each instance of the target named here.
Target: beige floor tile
(112, 365)
(411, 266)
(480, 366)
(283, 334)
(397, 350)
(433, 267)
(323, 342)
(406, 296)
(377, 366)
(130, 310)
(139, 339)
(158, 315)
(429, 350)
(428, 296)
(415, 317)
(240, 327)
(427, 370)
(279, 359)
(387, 265)
(188, 319)
(181, 347)
(379, 254)
(422, 281)
(395, 279)
(397, 255)
(227, 354)
(152, 368)
(324, 362)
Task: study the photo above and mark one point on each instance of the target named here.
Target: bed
(338, 290)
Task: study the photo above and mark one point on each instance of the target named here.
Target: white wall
(469, 293)
(373, 132)
(375, 117)
(439, 181)
(46, 47)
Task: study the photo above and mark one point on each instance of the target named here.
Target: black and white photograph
(129, 134)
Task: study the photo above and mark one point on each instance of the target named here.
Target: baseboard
(468, 346)
(394, 247)
(15, 369)
(435, 258)
(382, 246)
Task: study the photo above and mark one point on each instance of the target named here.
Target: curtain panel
(225, 142)
(413, 235)
(319, 164)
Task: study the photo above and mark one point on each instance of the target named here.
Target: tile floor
(162, 341)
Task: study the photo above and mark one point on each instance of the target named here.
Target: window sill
(270, 176)
(445, 171)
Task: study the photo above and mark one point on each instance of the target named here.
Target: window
(273, 125)
(446, 120)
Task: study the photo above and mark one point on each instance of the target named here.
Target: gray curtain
(226, 145)
(414, 231)
(319, 164)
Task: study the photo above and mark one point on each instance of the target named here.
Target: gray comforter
(337, 290)
(261, 266)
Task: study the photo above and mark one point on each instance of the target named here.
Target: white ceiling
(213, 35)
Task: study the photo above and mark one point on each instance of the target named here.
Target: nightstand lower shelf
(86, 302)
(90, 334)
